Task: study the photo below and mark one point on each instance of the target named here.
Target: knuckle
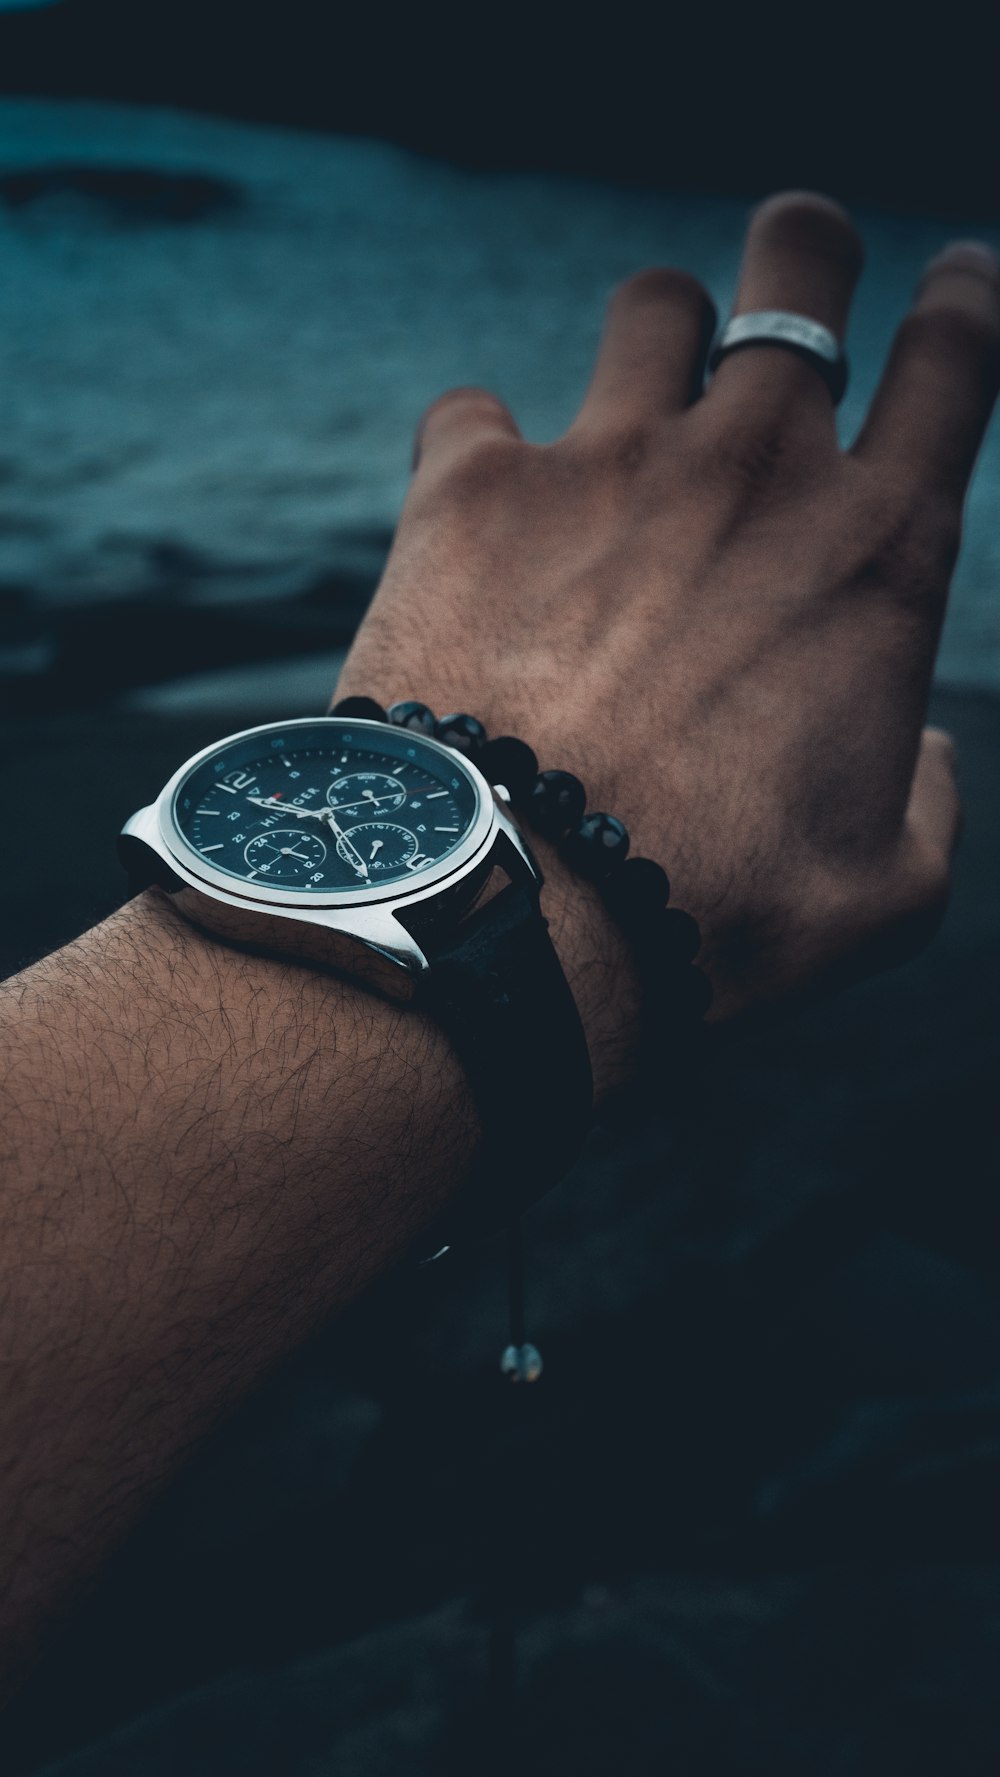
(910, 545)
(751, 459)
(891, 565)
(482, 471)
(810, 223)
(626, 446)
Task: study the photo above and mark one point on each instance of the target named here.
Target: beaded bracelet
(635, 891)
(595, 846)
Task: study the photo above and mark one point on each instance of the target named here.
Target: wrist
(599, 965)
(342, 1024)
(346, 1088)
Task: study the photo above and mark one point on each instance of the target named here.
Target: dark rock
(129, 196)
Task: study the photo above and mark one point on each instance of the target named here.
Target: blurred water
(209, 397)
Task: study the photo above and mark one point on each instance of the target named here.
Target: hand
(367, 796)
(274, 803)
(348, 850)
(722, 623)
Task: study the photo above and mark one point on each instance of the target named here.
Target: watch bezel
(225, 883)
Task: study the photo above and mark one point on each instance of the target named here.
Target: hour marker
(432, 793)
(206, 811)
(446, 829)
(229, 787)
(212, 847)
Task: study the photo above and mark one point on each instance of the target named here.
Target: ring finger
(803, 255)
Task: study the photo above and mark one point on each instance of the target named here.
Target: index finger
(937, 392)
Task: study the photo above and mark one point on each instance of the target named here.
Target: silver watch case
(381, 941)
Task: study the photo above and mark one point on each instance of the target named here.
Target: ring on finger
(794, 333)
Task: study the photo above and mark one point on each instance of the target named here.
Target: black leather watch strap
(496, 985)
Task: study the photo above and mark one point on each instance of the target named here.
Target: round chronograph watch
(386, 856)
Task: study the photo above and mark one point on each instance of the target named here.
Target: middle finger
(802, 254)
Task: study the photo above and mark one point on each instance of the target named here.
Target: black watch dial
(326, 807)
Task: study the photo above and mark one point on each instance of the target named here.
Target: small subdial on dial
(285, 854)
(365, 793)
(382, 845)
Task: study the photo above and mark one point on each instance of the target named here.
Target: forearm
(204, 1153)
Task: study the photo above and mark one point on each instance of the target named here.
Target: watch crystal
(326, 807)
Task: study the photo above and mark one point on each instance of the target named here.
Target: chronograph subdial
(362, 793)
(285, 854)
(384, 846)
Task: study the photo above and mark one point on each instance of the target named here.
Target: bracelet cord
(636, 891)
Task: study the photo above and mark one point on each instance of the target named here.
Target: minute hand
(343, 841)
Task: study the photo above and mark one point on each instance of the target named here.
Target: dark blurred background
(883, 105)
(747, 1523)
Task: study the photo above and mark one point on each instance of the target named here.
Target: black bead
(363, 709)
(596, 847)
(556, 803)
(509, 762)
(463, 733)
(415, 716)
(679, 935)
(638, 892)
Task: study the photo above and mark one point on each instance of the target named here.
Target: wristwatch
(386, 856)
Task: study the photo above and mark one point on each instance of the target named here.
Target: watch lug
(515, 842)
(143, 825)
(377, 929)
(141, 852)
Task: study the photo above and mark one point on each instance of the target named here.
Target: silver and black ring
(793, 333)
